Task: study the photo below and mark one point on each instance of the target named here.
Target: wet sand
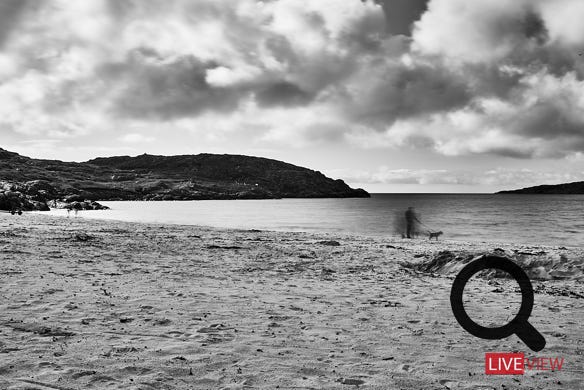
(88, 304)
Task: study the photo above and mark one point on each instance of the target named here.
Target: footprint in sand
(351, 381)
(82, 374)
(161, 321)
(217, 333)
(133, 370)
(102, 380)
(448, 383)
(115, 351)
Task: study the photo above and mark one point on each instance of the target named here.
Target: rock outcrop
(15, 200)
(40, 195)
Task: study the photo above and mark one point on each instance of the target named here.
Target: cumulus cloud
(477, 32)
(498, 177)
(456, 77)
(133, 138)
(522, 68)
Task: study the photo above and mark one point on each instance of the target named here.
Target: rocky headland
(564, 188)
(36, 184)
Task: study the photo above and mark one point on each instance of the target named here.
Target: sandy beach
(89, 304)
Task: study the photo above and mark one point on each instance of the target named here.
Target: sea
(555, 220)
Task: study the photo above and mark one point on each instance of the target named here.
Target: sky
(388, 95)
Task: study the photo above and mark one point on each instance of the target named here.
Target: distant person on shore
(411, 221)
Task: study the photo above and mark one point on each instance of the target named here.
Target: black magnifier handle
(530, 336)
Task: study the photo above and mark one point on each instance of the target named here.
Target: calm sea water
(529, 219)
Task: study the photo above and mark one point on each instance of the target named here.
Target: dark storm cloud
(399, 91)
(151, 87)
(283, 94)
(510, 151)
(557, 60)
(11, 12)
(401, 14)
(489, 80)
(549, 120)
(534, 27)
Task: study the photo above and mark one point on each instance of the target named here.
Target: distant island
(34, 184)
(566, 188)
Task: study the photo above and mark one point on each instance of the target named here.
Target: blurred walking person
(411, 220)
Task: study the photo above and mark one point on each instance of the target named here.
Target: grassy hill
(150, 177)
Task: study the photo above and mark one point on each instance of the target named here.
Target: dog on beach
(435, 235)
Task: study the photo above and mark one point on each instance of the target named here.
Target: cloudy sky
(389, 95)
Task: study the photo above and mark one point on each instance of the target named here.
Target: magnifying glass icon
(519, 325)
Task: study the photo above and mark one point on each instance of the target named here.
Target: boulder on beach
(14, 200)
(82, 205)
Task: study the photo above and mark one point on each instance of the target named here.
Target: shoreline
(390, 237)
(104, 304)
